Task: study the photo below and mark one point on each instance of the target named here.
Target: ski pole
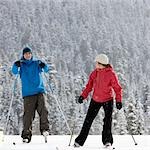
(71, 136)
(130, 131)
(58, 105)
(10, 106)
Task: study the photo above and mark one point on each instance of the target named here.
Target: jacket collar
(108, 68)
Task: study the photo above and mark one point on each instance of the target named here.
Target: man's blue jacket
(31, 77)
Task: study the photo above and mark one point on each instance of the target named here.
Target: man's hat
(26, 49)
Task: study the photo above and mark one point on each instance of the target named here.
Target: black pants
(31, 104)
(91, 114)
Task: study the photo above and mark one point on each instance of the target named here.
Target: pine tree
(131, 115)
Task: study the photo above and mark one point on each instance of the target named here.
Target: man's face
(27, 55)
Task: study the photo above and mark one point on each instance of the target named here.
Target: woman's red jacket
(104, 84)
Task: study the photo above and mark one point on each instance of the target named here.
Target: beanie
(102, 58)
(26, 49)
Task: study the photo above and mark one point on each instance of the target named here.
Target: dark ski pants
(91, 114)
(31, 104)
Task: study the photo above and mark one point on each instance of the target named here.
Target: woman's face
(99, 65)
(27, 55)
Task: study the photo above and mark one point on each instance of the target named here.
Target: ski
(19, 143)
(84, 148)
(26, 142)
(109, 148)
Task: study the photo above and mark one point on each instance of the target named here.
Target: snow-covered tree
(70, 34)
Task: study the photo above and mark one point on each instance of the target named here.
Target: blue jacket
(31, 77)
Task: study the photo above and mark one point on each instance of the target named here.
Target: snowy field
(57, 142)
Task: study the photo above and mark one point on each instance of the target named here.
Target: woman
(102, 81)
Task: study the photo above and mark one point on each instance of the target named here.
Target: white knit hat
(102, 58)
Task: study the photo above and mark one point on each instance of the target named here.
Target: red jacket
(103, 82)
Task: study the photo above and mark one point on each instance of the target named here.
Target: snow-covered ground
(59, 142)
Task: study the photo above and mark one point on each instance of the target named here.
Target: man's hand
(42, 65)
(18, 63)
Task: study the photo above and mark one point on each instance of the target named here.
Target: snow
(61, 142)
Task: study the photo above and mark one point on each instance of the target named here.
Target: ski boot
(108, 146)
(26, 140)
(76, 145)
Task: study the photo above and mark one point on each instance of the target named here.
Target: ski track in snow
(60, 142)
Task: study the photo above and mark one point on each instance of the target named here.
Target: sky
(57, 142)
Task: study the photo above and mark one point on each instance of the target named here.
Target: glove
(79, 99)
(18, 63)
(42, 65)
(119, 105)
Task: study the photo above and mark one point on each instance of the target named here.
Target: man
(33, 91)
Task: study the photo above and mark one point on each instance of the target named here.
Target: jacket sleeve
(117, 87)
(15, 69)
(89, 85)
